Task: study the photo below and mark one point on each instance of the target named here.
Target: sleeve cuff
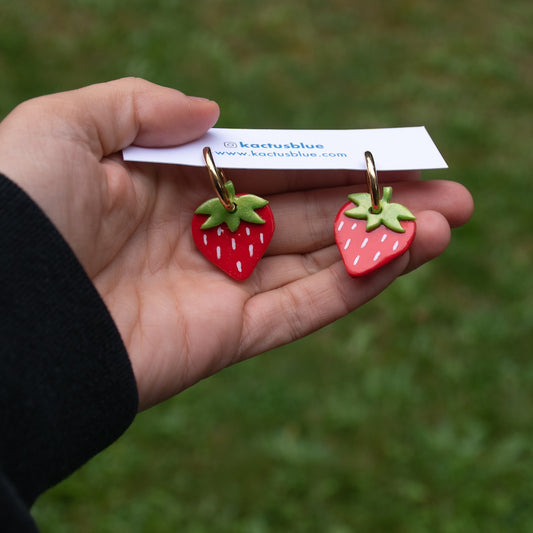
(67, 389)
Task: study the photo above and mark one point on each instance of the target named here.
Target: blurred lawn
(413, 414)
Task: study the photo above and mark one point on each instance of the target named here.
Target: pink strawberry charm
(233, 239)
(369, 237)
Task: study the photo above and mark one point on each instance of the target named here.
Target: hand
(181, 318)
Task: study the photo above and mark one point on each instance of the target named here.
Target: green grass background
(414, 413)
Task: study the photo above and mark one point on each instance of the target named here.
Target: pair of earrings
(233, 230)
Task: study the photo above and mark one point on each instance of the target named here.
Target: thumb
(111, 116)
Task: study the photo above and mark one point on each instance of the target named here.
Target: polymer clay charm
(369, 231)
(232, 230)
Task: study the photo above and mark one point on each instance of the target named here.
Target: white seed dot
(205, 239)
(376, 257)
(220, 231)
(347, 244)
(354, 225)
(395, 247)
(340, 225)
(251, 250)
(248, 231)
(218, 252)
(261, 238)
(356, 260)
(384, 237)
(364, 243)
(233, 243)
(239, 266)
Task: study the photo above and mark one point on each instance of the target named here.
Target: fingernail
(200, 99)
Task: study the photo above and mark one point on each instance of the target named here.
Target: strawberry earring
(370, 232)
(232, 230)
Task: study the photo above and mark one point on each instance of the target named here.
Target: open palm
(180, 317)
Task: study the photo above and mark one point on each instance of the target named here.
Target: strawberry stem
(244, 209)
(389, 214)
(387, 194)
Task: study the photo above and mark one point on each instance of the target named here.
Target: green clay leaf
(231, 189)
(364, 204)
(216, 211)
(232, 220)
(393, 213)
(245, 207)
(390, 214)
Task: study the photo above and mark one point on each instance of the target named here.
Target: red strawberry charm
(233, 239)
(369, 238)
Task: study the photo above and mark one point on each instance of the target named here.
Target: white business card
(408, 148)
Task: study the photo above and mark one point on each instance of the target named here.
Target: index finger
(268, 181)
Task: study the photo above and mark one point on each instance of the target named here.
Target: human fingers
(300, 293)
(268, 181)
(432, 238)
(111, 116)
(433, 235)
(306, 304)
(304, 220)
(450, 198)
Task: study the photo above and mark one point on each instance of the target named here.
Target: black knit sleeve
(67, 389)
